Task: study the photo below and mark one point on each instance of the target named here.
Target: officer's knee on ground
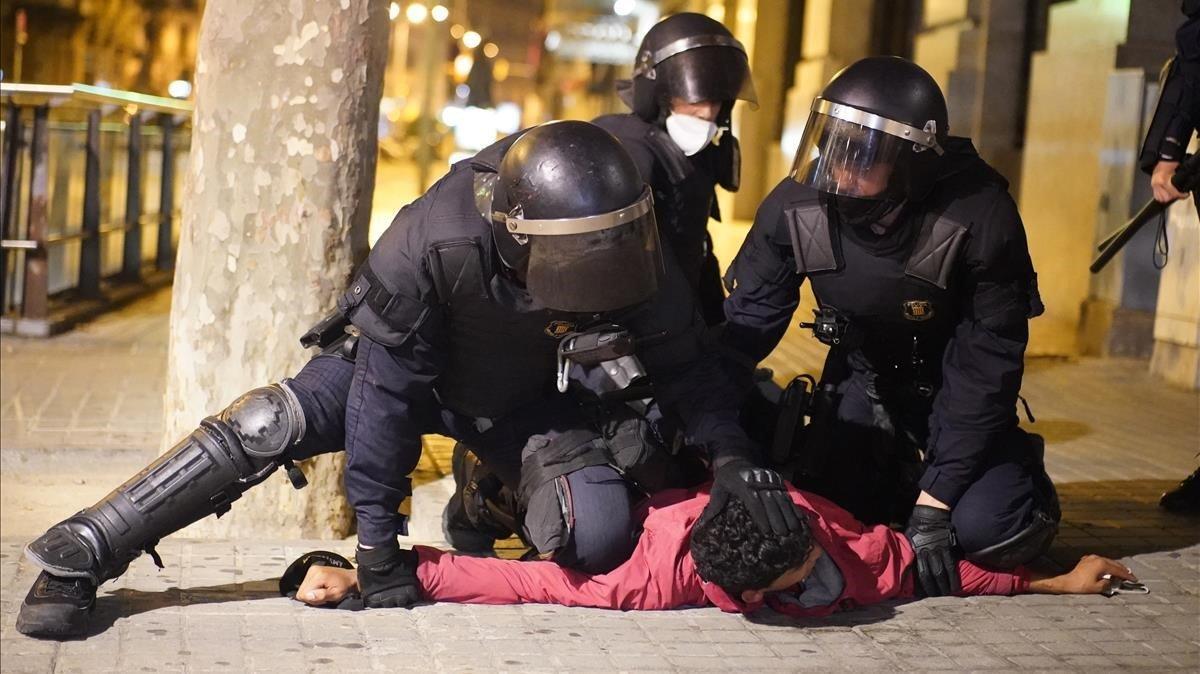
(1003, 538)
(1029, 543)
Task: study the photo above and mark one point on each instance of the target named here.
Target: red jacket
(874, 560)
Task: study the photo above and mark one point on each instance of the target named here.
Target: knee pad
(265, 421)
(1022, 547)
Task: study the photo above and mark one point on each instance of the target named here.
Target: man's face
(706, 110)
(789, 579)
(797, 575)
(863, 184)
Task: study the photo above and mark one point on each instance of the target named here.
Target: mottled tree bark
(275, 216)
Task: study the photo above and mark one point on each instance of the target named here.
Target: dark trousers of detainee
(603, 531)
(870, 465)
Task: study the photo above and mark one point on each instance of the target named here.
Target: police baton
(1186, 179)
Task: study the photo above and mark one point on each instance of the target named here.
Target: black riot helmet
(693, 57)
(874, 137)
(571, 215)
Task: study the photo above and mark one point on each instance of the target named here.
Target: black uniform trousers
(871, 464)
(603, 532)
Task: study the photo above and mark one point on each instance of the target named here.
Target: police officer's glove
(761, 490)
(932, 537)
(387, 576)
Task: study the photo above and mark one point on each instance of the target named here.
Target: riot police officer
(689, 72)
(1176, 120)
(1177, 115)
(458, 311)
(921, 271)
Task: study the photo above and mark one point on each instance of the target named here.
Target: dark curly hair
(732, 552)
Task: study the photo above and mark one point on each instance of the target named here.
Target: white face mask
(691, 134)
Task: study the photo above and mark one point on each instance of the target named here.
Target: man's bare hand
(326, 585)
(1086, 578)
(1160, 182)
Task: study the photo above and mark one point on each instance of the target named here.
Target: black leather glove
(387, 576)
(761, 490)
(932, 537)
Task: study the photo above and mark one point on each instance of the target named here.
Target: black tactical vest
(500, 348)
(901, 302)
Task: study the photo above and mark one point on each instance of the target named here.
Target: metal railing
(88, 218)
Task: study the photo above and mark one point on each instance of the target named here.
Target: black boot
(1185, 497)
(57, 608)
(481, 509)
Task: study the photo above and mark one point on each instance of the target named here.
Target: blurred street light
(416, 13)
(462, 65)
(451, 114)
(179, 89)
(623, 7)
(439, 13)
(393, 10)
(471, 39)
(490, 50)
(553, 39)
(457, 31)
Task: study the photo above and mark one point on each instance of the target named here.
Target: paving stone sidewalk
(80, 412)
(215, 608)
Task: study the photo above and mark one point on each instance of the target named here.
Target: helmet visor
(849, 159)
(593, 264)
(714, 74)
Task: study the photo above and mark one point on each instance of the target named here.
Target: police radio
(828, 325)
(609, 346)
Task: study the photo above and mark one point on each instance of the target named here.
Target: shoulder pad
(813, 244)
(458, 269)
(936, 251)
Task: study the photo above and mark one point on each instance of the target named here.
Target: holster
(794, 404)
(326, 331)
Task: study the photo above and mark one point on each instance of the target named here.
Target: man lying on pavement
(834, 563)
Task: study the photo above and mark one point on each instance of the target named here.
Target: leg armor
(200, 476)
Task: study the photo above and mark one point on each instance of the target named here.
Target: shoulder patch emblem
(918, 310)
(558, 329)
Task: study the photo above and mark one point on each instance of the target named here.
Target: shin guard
(202, 475)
